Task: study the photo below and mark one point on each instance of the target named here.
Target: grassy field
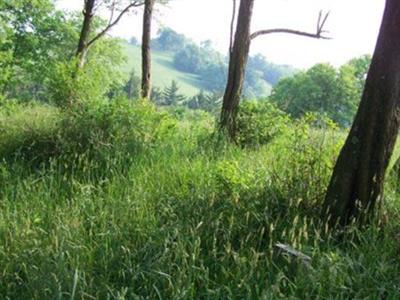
(163, 70)
(126, 202)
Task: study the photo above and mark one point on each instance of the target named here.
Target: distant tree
(134, 41)
(351, 83)
(132, 87)
(156, 95)
(270, 72)
(204, 101)
(171, 95)
(169, 40)
(323, 89)
(316, 90)
(190, 59)
(356, 186)
(239, 53)
(213, 76)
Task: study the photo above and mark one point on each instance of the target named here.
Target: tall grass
(184, 216)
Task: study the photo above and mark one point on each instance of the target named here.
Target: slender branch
(113, 23)
(112, 12)
(290, 31)
(318, 34)
(232, 26)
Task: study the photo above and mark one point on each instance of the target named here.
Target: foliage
(271, 73)
(133, 87)
(95, 81)
(211, 66)
(206, 101)
(171, 95)
(92, 128)
(308, 148)
(118, 126)
(168, 40)
(37, 38)
(324, 89)
(259, 122)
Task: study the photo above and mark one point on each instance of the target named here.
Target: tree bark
(239, 54)
(356, 186)
(237, 65)
(88, 14)
(146, 51)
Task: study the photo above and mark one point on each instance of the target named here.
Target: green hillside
(163, 70)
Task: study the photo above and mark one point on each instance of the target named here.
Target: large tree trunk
(237, 66)
(356, 185)
(146, 52)
(88, 14)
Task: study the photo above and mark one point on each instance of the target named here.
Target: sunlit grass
(188, 217)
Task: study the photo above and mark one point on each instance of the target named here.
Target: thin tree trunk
(237, 66)
(356, 186)
(146, 51)
(88, 14)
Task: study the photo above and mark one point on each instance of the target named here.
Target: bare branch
(317, 35)
(113, 23)
(112, 12)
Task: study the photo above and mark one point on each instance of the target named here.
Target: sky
(353, 26)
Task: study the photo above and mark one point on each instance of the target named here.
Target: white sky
(353, 25)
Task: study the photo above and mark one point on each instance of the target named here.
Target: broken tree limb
(318, 34)
(288, 250)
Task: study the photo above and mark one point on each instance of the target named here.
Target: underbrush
(150, 207)
(39, 133)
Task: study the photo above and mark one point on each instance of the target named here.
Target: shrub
(116, 126)
(259, 122)
(94, 128)
(307, 152)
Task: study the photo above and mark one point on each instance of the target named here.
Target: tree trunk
(146, 52)
(81, 51)
(237, 66)
(356, 186)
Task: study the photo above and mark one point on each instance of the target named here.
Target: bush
(259, 122)
(119, 126)
(307, 152)
(94, 129)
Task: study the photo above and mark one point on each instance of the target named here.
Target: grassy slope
(163, 70)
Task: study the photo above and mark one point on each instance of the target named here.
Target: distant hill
(163, 70)
(200, 67)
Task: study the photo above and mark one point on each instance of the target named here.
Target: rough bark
(88, 14)
(146, 51)
(356, 186)
(237, 65)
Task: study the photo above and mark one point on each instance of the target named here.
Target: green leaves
(324, 89)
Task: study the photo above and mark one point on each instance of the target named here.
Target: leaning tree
(356, 186)
(238, 56)
(117, 8)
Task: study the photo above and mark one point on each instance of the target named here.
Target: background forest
(111, 192)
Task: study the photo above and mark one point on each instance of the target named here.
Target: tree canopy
(324, 89)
